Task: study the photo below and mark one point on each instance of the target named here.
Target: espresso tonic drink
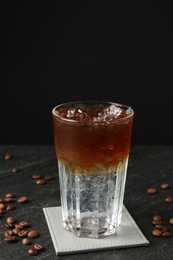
(92, 142)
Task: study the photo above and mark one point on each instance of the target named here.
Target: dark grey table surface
(149, 166)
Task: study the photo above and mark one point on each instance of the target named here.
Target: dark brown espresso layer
(99, 137)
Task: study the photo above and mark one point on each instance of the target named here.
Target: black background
(59, 51)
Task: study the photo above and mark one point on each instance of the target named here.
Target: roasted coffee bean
(157, 222)
(38, 247)
(157, 232)
(166, 234)
(1, 201)
(162, 227)
(10, 220)
(165, 185)
(48, 177)
(16, 231)
(33, 234)
(36, 176)
(26, 241)
(19, 226)
(40, 182)
(8, 232)
(22, 199)
(169, 199)
(2, 205)
(24, 224)
(23, 233)
(8, 157)
(157, 217)
(8, 199)
(171, 221)
(10, 195)
(10, 207)
(33, 251)
(10, 239)
(14, 170)
(7, 225)
(152, 190)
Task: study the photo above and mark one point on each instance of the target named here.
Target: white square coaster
(65, 242)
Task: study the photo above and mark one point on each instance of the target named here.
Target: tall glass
(92, 142)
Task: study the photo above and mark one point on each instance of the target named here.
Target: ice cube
(113, 111)
(71, 112)
(128, 111)
(80, 111)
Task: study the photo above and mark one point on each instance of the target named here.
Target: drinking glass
(92, 143)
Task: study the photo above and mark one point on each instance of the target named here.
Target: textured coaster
(65, 242)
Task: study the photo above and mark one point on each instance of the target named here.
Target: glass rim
(68, 120)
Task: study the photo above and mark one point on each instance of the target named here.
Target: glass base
(90, 227)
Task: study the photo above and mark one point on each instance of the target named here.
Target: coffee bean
(40, 182)
(157, 222)
(19, 226)
(164, 185)
(16, 231)
(32, 251)
(36, 176)
(152, 190)
(10, 195)
(8, 199)
(26, 241)
(10, 220)
(33, 234)
(2, 206)
(162, 227)
(169, 199)
(157, 217)
(8, 225)
(171, 221)
(1, 201)
(48, 177)
(14, 170)
(23, 233)
(24, 224)
(38, 247)
(10, 239)
(8, 157)
(22, 199)
(8, 233)
(166, 234)
(10, 207)
(157, 232)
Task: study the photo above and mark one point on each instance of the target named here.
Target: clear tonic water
(92, 203)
